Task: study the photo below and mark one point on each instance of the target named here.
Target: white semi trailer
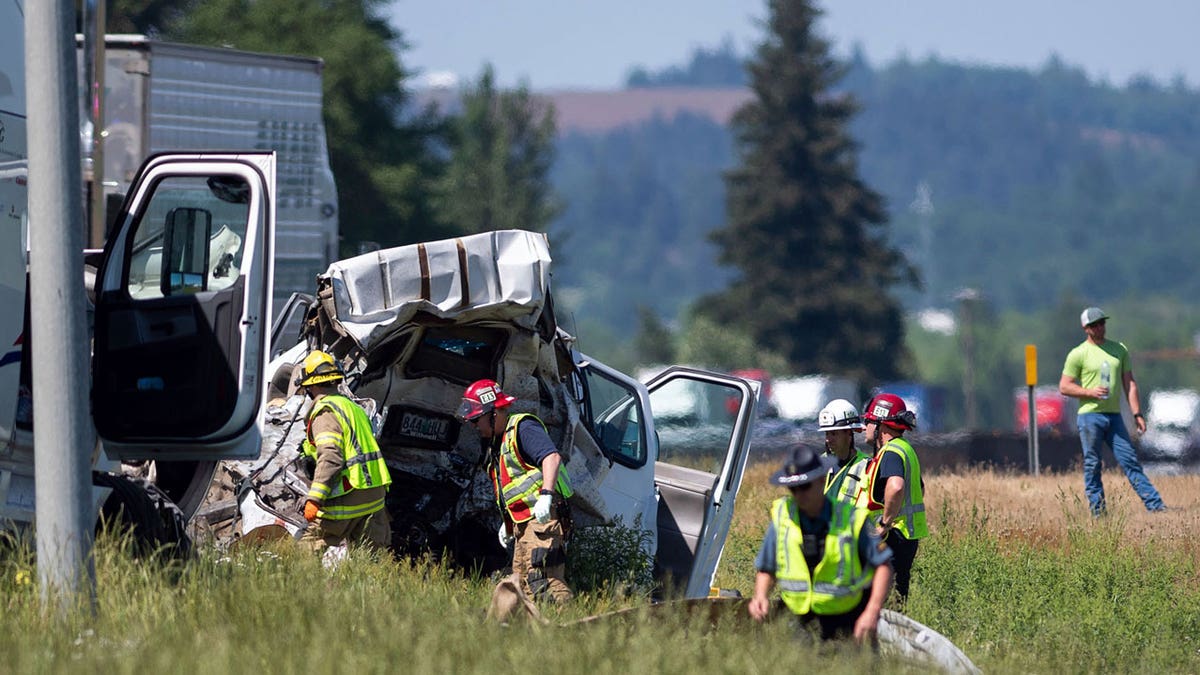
(168, 97)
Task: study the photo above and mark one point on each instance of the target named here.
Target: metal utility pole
(922, 206)
(63, 432)
(968, 298)
(94, 65)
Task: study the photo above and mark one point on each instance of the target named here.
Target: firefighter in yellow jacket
(831, 567)
(346, 500)
(531, 487)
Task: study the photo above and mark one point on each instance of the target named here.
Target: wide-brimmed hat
(805, 465)
(1091, 315)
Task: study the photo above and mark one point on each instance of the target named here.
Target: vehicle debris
(411, 327)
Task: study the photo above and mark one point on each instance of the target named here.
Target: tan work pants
(539, 557)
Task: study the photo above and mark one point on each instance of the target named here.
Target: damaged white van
(412, 327)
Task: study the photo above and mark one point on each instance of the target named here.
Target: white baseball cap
(1091, 315)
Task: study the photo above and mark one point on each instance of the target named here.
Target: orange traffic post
(1031, 382)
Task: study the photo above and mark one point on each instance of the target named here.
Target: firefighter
(823, 554)
(345, 502)
(531, 487)
(895, 491)
(840, 421)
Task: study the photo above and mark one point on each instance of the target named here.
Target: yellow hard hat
(319, 367)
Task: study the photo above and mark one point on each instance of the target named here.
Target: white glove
(541, 509)
(505, 539)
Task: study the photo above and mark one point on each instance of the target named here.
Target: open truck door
(183, 310)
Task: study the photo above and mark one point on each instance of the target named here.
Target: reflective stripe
(318, 491)
(835, 590)
(343, 512)
(364, 458)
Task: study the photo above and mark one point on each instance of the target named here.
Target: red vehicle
(764, 396)
(1053, 410)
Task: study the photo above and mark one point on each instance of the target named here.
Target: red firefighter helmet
(482, 397)
(889, 410)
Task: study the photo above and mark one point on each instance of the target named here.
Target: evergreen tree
(654, 342)
(804, 231)
(502, 150)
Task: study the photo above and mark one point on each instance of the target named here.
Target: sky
(589, 44)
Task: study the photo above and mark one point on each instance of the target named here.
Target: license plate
(419, 428)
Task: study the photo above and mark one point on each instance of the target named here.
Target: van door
(702, 421)
(678, 446)
(183, 309)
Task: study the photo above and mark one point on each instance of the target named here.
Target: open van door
(677, 447)
(703, 422)
(183, 309)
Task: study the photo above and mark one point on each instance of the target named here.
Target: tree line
(683, 239)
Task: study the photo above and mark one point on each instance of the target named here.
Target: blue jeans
(1096, 429)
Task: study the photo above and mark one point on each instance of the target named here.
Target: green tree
(805, 232)
(381, 154)
(654, 342)
(502, 150)
(139, 16)
(724, 346)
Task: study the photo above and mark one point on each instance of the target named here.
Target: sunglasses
(805, 487)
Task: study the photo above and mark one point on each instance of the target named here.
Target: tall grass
(274, 609)
(1015, 572)
(1020, 576)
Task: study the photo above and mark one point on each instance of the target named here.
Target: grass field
(1023, 579)
(1015, 572)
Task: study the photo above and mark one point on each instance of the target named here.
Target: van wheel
(155, 522)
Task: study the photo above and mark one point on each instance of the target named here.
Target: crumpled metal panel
(500, 276)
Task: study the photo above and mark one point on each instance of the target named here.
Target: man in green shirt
(1089, 374)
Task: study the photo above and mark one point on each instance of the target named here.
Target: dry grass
(1040, 510)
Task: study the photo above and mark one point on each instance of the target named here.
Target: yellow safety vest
(516, 483)
(910, 521)
(364, 464)
(835, 585)
(843, 485)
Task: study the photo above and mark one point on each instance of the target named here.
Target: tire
(156, 523)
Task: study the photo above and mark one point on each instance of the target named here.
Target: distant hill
(593, 112)
(1028, 185)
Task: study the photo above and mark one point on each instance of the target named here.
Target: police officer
(840, 421)
(345, 502)
(829, 586)
(531, 487)
(895, 490)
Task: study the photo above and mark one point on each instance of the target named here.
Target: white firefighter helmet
(839, 414)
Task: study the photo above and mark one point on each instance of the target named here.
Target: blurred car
(1172, 428)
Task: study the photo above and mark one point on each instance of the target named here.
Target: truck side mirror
(186, 233)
